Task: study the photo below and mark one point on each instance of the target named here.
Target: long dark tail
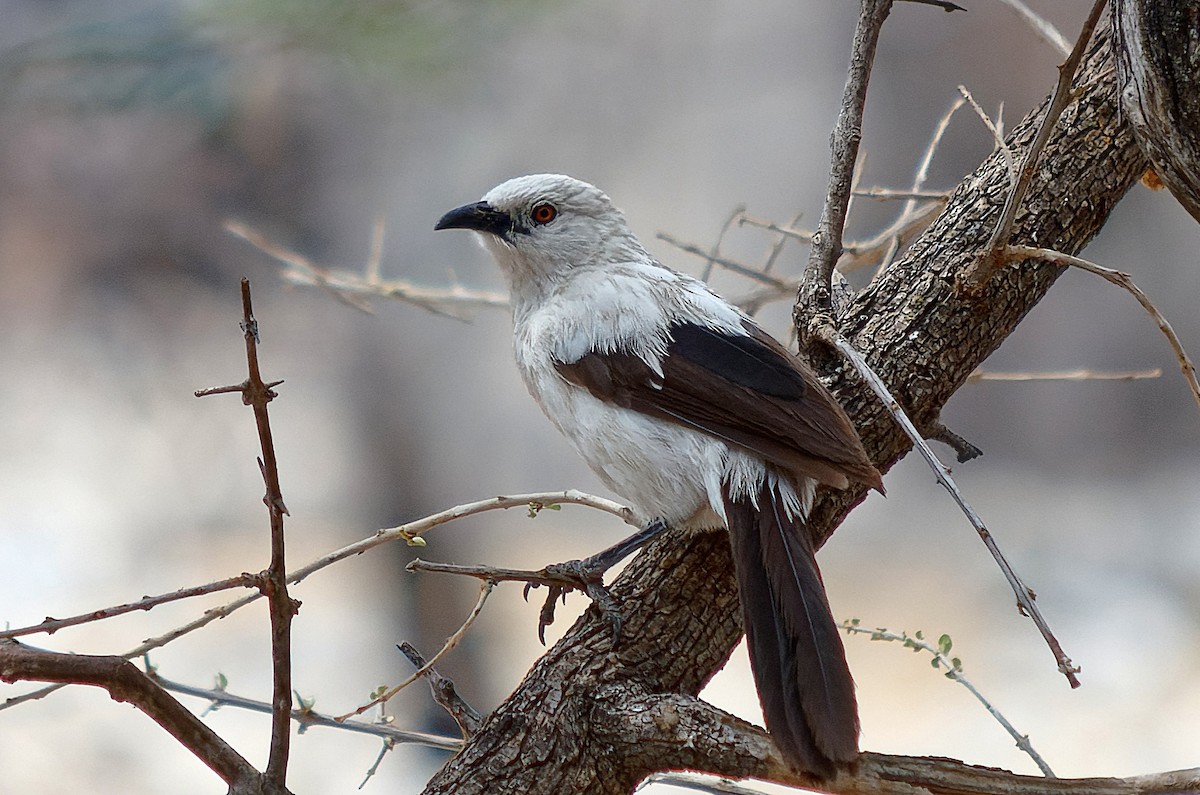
(796, 652)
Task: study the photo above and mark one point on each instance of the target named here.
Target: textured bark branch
(924, 336)
(1158, 71)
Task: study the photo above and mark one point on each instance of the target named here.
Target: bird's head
(541, 226)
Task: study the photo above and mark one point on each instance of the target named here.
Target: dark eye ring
(543, 213)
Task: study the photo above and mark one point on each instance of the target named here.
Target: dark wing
(746, 390)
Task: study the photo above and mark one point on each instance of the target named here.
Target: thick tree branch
(1158, 74)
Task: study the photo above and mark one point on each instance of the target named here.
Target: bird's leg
(587, 575)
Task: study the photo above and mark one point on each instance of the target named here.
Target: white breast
(663, 470)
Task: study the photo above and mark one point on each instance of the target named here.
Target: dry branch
(124, 682)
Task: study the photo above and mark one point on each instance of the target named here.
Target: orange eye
(543, 213)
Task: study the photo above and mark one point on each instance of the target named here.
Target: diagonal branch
(993, 256)
(124, 682)
(815, 299)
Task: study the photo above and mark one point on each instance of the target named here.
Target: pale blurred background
(130, 130)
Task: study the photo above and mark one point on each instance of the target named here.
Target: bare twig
(445, 693)
(1066, 375)
(814, 300)
(889, 194)
(485, 590)
(306, 718)
(995, 129)
(256, 393)
(354, 289)
(732, 265)
(1041, 27)
(993, 256)
(1124, 281)
(953, 671)
(716, 246)
(938, 431)
(374, 768)
(52, 625)
(124, 682)
(1025, 597)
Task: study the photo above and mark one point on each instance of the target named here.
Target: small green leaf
(919, 635)
(415, 541)
(944, 643)
(222, 682)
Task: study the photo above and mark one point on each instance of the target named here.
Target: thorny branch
(52, 625)
(257, 393)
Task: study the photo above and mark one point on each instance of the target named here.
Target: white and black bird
(697, 417)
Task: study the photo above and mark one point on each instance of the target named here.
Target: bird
(698, 418)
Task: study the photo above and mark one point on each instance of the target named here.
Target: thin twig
(306, 718)
(1025, 597)
(716, 246)
(1124, 281)
(903, 229)
(52, 625)
(374, 768)
(814, 300)
(732, 265)
(354, 289)
(995, 129)
(752, 306)
(1047, 32)
(445, 694)
(992, 257)
(954, 672)
(890, 194)
(485, 590)
(1065, 375)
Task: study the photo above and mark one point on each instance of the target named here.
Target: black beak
(481, 217)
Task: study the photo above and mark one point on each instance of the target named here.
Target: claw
(583, 575)
(546, 615)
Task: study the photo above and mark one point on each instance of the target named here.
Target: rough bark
(1158, 71)
(591, 718)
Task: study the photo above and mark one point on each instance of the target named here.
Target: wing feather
(745, 389)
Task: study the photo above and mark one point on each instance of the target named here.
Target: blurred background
(131, 129)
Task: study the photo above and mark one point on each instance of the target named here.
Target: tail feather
(796, 652)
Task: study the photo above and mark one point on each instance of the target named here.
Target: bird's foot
(586, 576)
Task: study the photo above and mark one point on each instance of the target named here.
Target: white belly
(662, 470)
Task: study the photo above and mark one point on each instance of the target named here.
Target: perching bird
(698, 418)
